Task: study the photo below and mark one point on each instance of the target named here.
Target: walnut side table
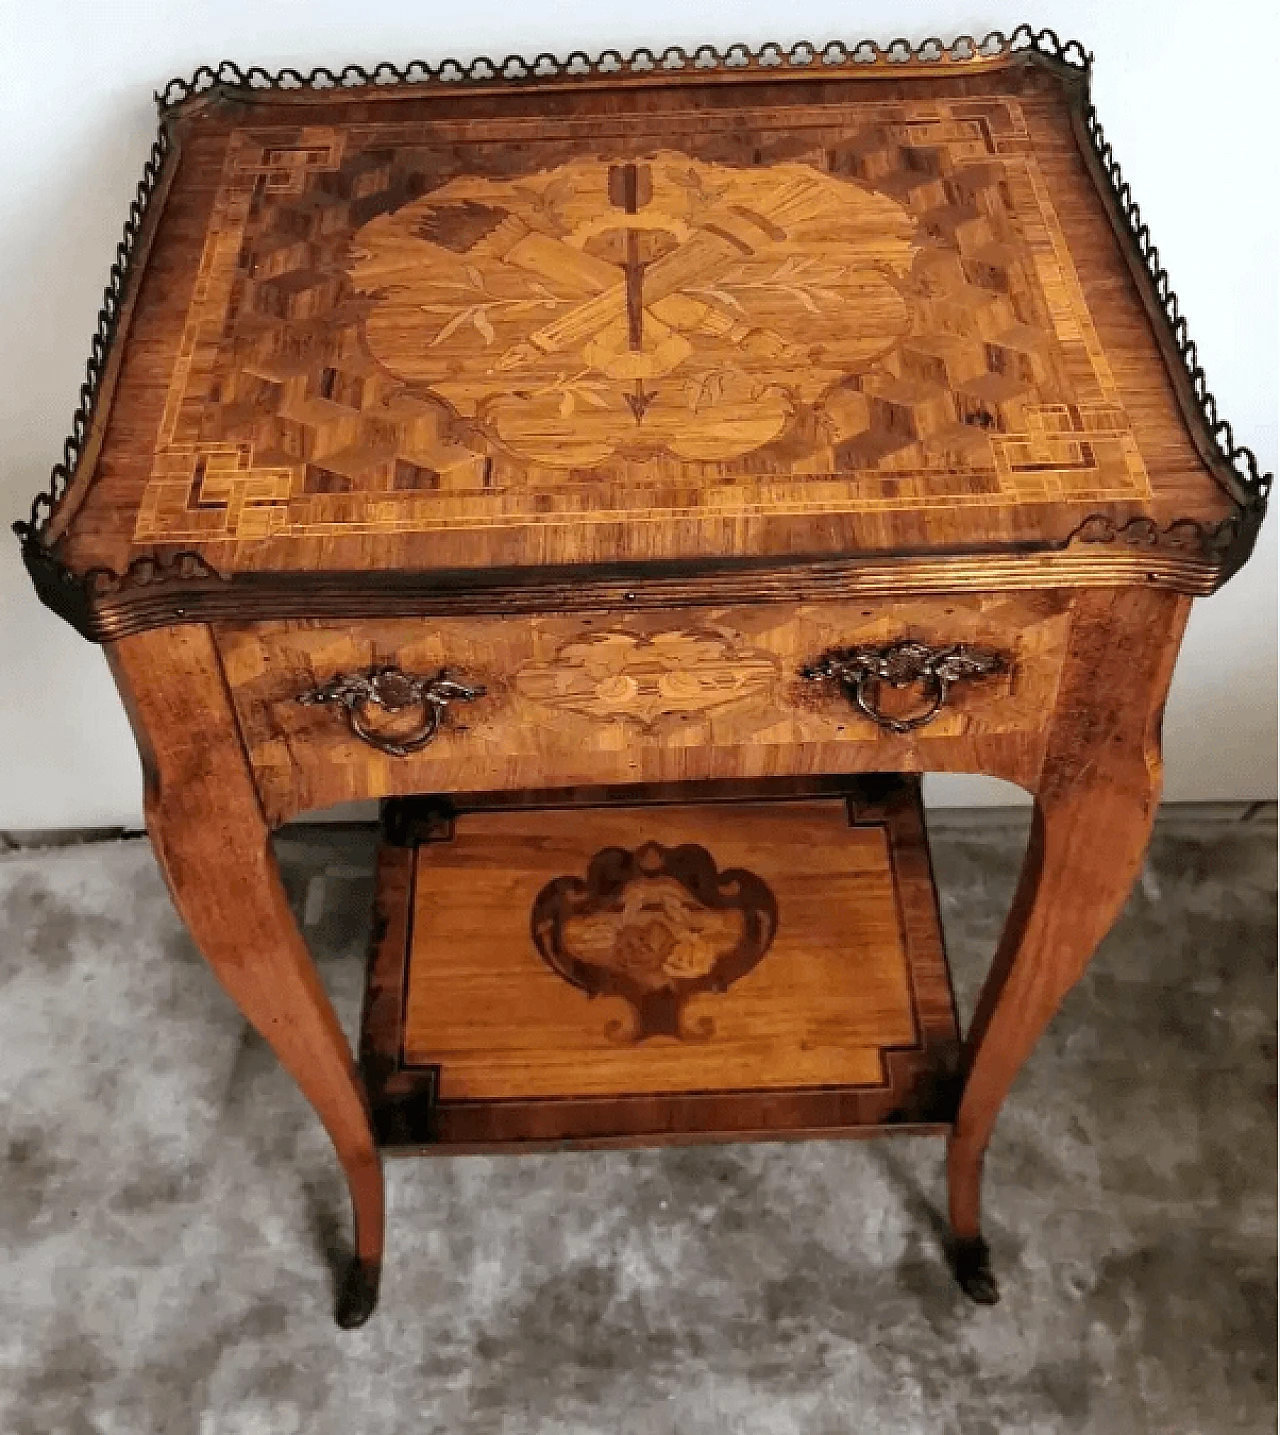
(532, 436)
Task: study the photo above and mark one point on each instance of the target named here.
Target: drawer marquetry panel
(658, 696)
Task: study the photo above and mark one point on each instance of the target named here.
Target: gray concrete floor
(167, 1202)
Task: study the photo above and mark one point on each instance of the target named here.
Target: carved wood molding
(1186, 556)
(148, 571)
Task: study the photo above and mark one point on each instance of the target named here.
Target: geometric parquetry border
(1233, 465)
(257, 498)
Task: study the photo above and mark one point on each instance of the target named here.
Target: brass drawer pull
(393, 690)
(861, 670)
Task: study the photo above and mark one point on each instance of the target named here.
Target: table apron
(662, 695)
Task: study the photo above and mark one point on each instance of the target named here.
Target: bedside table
(640, 458)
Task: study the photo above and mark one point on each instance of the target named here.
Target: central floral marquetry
(666, 305)
(653, 681)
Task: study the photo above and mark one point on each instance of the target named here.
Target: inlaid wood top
(680, 321)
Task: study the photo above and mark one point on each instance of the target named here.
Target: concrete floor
(167, 1201)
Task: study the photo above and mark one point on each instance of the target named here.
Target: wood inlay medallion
(645, 679)
(419, 326)
(666, 306)
(655, 926)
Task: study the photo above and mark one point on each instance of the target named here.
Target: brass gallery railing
(1235, 466)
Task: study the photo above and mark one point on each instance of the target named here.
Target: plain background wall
(1186, 92)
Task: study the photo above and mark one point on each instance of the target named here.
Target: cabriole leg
(213, 845)
(1096, 801)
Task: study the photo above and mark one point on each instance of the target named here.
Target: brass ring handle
(868, 683)
(395, 747)
(393, 690)
(861, 670)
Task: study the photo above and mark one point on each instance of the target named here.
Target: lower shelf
(628, 975)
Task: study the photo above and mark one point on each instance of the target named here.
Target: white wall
(1191, 119)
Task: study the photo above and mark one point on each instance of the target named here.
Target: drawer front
(748, 691)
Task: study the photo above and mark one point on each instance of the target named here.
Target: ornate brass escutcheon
(393, 690)
(861, 670)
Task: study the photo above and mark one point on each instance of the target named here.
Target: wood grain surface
(664, 323)
(1096, 799)
(622, 405)
(846, 989)
(647, 697)
(213, 846)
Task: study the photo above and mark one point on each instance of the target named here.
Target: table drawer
(746, 691)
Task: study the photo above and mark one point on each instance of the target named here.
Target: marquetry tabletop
(407, 338)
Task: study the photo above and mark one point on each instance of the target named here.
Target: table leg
(1096, 801)
(213, 846)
